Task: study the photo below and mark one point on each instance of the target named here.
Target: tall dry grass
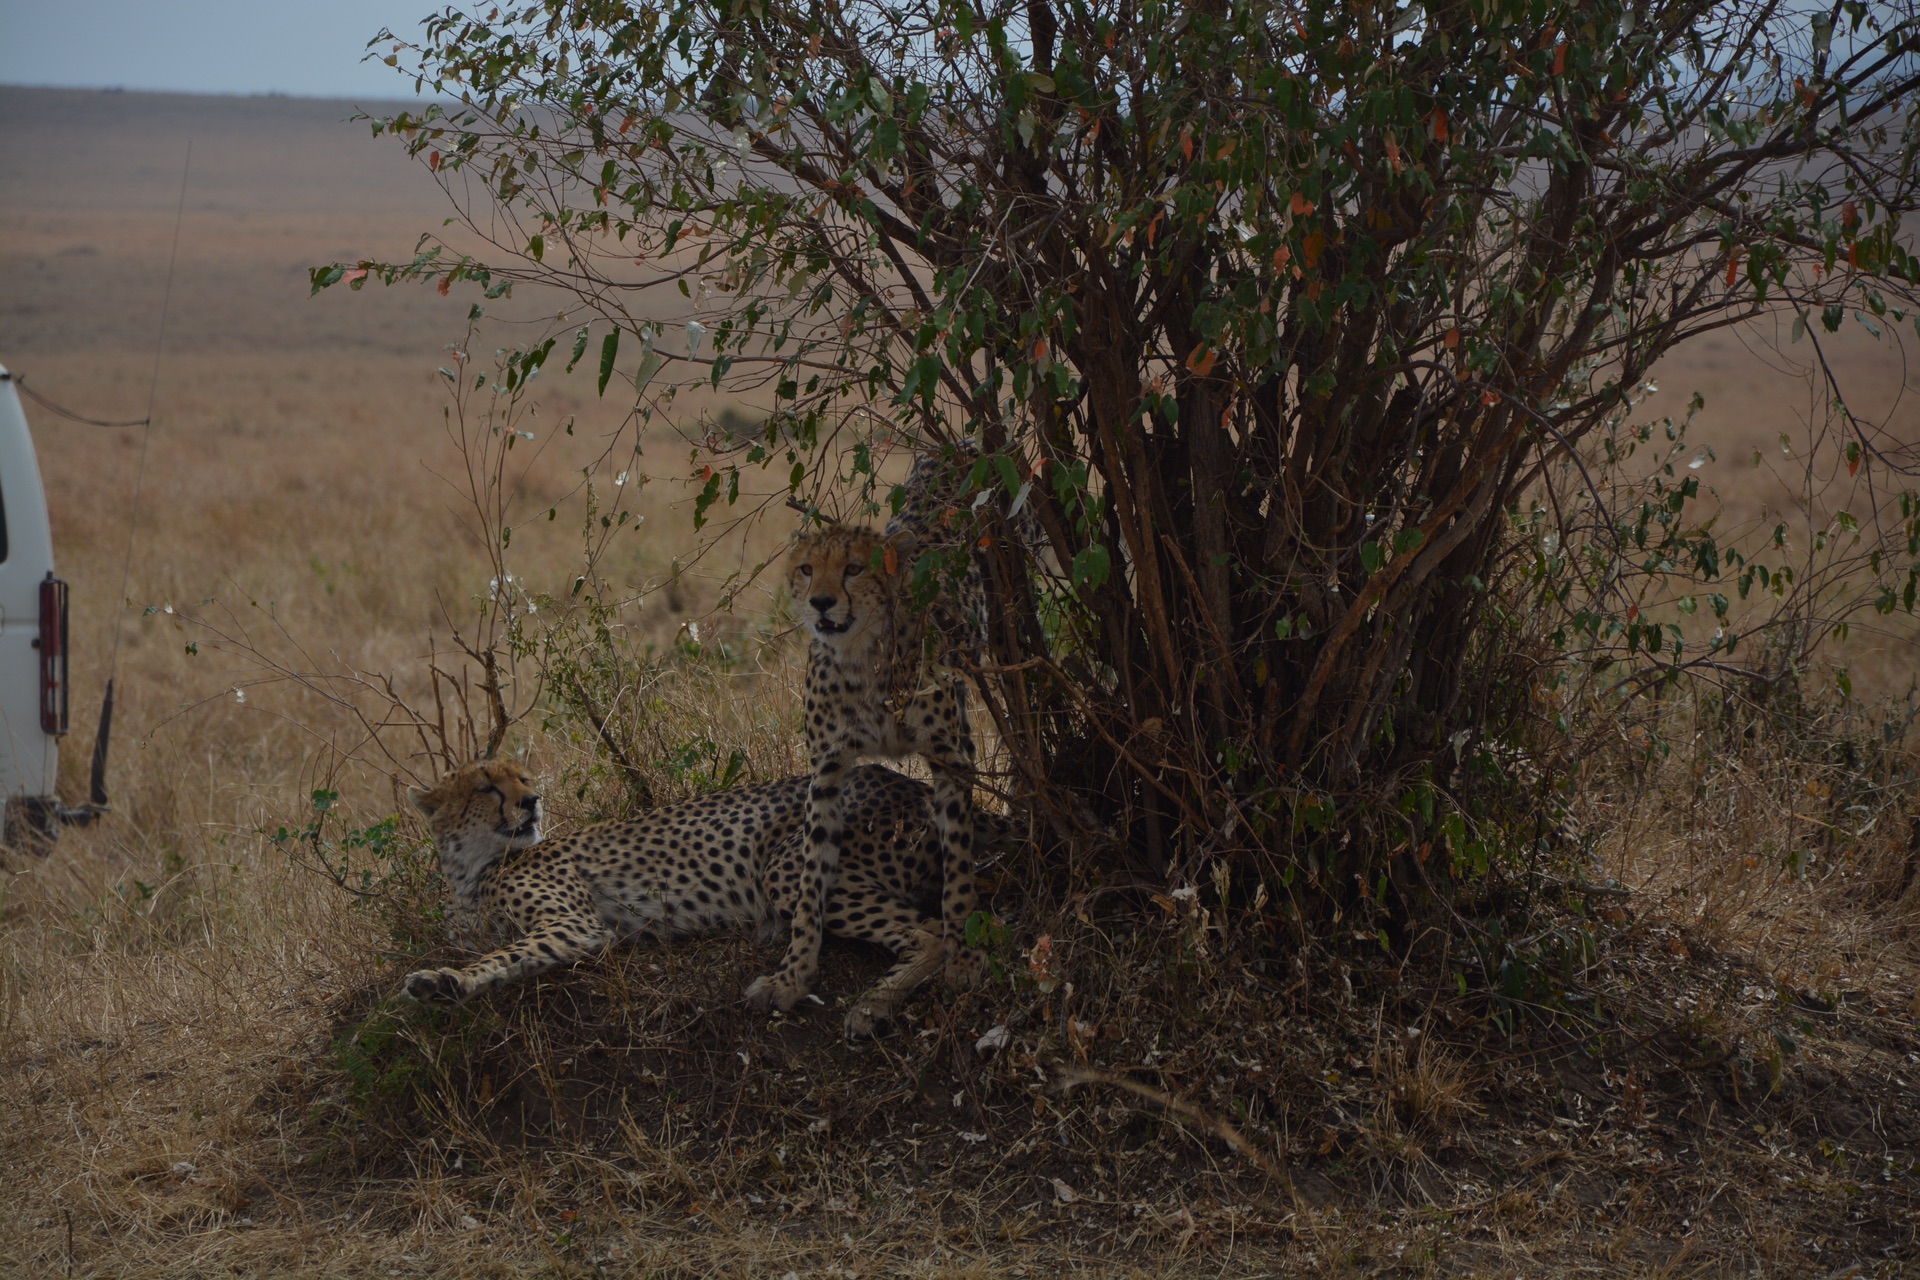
(302, 497)
(1791, 838)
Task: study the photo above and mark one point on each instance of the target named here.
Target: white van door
(29, 753)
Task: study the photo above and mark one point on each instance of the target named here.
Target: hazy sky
(306, 47)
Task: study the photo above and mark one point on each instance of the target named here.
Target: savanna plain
(203, 1071)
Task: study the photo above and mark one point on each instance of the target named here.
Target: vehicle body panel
(29, 756)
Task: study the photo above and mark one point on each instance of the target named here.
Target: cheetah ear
(426, 800)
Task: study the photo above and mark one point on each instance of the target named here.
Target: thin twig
(1071, 1076)
(642, 786)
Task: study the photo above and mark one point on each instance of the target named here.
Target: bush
(1306, 338)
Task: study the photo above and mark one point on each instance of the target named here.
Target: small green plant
(987, 932)
(697, 760)
(380, 1062)
(384, 870)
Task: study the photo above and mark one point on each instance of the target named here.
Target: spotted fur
(871, 690)
(732, 860)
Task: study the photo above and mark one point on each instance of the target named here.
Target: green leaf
(651, 362)
(708, 495)
(608, 350)
(1372, 557)
(1091, 566)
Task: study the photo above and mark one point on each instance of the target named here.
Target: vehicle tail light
(53, 656)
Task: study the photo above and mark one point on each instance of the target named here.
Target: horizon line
(218, 93)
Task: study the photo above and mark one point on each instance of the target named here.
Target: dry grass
(201, 1075)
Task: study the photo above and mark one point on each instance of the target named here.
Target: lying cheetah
(872, 689)
(728, 860)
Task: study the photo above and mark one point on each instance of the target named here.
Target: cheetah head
(845, 580)
(481, 810)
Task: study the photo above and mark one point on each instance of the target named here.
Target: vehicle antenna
(98, 788)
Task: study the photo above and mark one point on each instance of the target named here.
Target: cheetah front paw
(869, 1020)
(775, 992)
(966, 966)
(434, 986)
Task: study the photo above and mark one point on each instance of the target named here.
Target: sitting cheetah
(729, 860)
(872, 689)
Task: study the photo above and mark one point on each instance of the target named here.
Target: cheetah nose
(530, 803)
(823, 603)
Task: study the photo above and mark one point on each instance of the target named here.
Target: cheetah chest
(851, 710)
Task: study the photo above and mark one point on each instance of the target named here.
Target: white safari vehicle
(34, 712)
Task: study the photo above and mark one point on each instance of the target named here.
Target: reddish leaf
(1201, 359)
(1849, 213)
(1300, 206)
(1733, 267)
(1452, 337)
(433, 161)
(1312, 246)
(446, 282)
(892, 561)
(1439, 124)
(1560, 60)
(1186, 142)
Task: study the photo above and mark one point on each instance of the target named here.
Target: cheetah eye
(853, 570)
(806, 571)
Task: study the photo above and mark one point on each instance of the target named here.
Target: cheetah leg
(952, 765)
(857, 912)
(826, 832)
(555, 943)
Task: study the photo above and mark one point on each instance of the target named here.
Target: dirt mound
(1349, 1109)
